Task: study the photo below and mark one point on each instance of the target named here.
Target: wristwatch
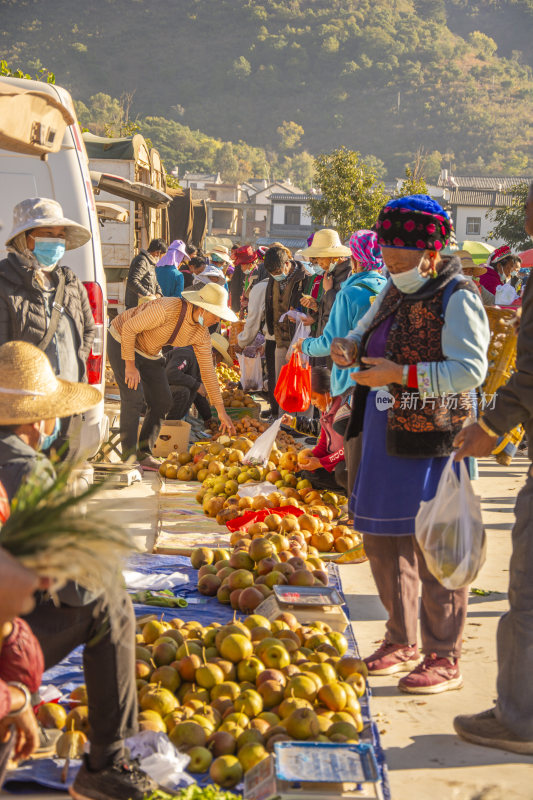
(27, 698)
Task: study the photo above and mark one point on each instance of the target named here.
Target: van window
(17, 183)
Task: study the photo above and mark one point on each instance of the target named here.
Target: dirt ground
(425, 757)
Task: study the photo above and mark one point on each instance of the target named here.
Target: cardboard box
(174, 436)
(315, 771)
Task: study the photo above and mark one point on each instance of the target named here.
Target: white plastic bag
(449, 530)
(259, 452)
(302, 332)
(160, 759)
(251, 373)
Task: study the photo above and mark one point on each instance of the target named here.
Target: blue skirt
(389, 489)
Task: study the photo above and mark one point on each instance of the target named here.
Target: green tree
(509, 220)
(42, 74)
(289, 134)
(351, 197)
(227, 163)
(241, 67)
(413, 183)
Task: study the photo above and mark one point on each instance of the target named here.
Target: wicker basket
(502, 357)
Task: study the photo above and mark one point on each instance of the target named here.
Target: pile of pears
(225, 694)
(74, 723)
(260, 560)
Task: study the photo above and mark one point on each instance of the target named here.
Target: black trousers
(153, 389)
(183, 398)
(270, 359)
(107, 629)
(322, 479)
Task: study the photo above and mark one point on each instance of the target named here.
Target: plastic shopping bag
(302, 332)
(449, 530)
(251, 373)
(259, 452)
(293, 389)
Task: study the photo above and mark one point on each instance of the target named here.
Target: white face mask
(409, 282)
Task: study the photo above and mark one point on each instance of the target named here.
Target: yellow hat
(221, 345)
(30, 391)
(213, 298)
(326, 244)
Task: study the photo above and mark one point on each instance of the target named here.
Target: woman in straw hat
(134, 350)
(474, 272)
(42, 302)
(426, 335)
(332, 261)
(32, 399)
(31, 396)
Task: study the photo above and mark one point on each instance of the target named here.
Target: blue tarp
(69, 672)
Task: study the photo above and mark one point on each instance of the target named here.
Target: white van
(64, 176)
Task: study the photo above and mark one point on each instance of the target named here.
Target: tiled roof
(299, 198)
(494, 182)
(293, 244)
(468, 197)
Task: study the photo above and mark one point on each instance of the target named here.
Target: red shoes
(432, 676)
(391, 658)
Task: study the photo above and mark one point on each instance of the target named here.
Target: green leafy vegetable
(63, 536)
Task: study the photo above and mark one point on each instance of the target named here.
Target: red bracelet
(412, 377)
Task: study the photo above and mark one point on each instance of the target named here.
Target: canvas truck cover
(128, 148)
(31, 122)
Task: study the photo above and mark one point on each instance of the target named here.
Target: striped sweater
(145, 329)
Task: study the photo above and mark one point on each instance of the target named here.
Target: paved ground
(425, 758)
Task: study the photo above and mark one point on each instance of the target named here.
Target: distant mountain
(381, 76)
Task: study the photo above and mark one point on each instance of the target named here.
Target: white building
(472, 199)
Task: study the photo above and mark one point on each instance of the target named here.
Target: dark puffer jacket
(142, 280)
(340, 273)
(23, 307)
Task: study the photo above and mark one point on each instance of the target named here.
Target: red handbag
(293, 389)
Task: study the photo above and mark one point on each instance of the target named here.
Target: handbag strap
(57, 310)
(179, 323)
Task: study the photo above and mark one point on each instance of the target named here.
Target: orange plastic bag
(293, 389)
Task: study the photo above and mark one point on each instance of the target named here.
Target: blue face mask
(279, 278)
(318, 270)
(200, 319)
(48, 251)
(45, 442)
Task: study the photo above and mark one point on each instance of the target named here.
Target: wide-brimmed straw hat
(42, 212)
(326, 244)
(221, 253)
(468, 263)
(211, 273)
(30, 391)
(221, 345)
(213, 298)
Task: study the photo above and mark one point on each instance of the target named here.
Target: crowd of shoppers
(389, 314)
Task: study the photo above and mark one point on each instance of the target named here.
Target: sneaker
(487, 730)
(432, 676)
(391, 658)
(150, 462)
(123, 780)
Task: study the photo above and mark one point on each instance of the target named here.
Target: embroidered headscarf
(174, 255)
(366, 250)
(416, 222)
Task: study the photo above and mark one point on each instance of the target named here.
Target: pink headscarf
(365, 249)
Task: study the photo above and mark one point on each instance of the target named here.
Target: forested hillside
(384, 77)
